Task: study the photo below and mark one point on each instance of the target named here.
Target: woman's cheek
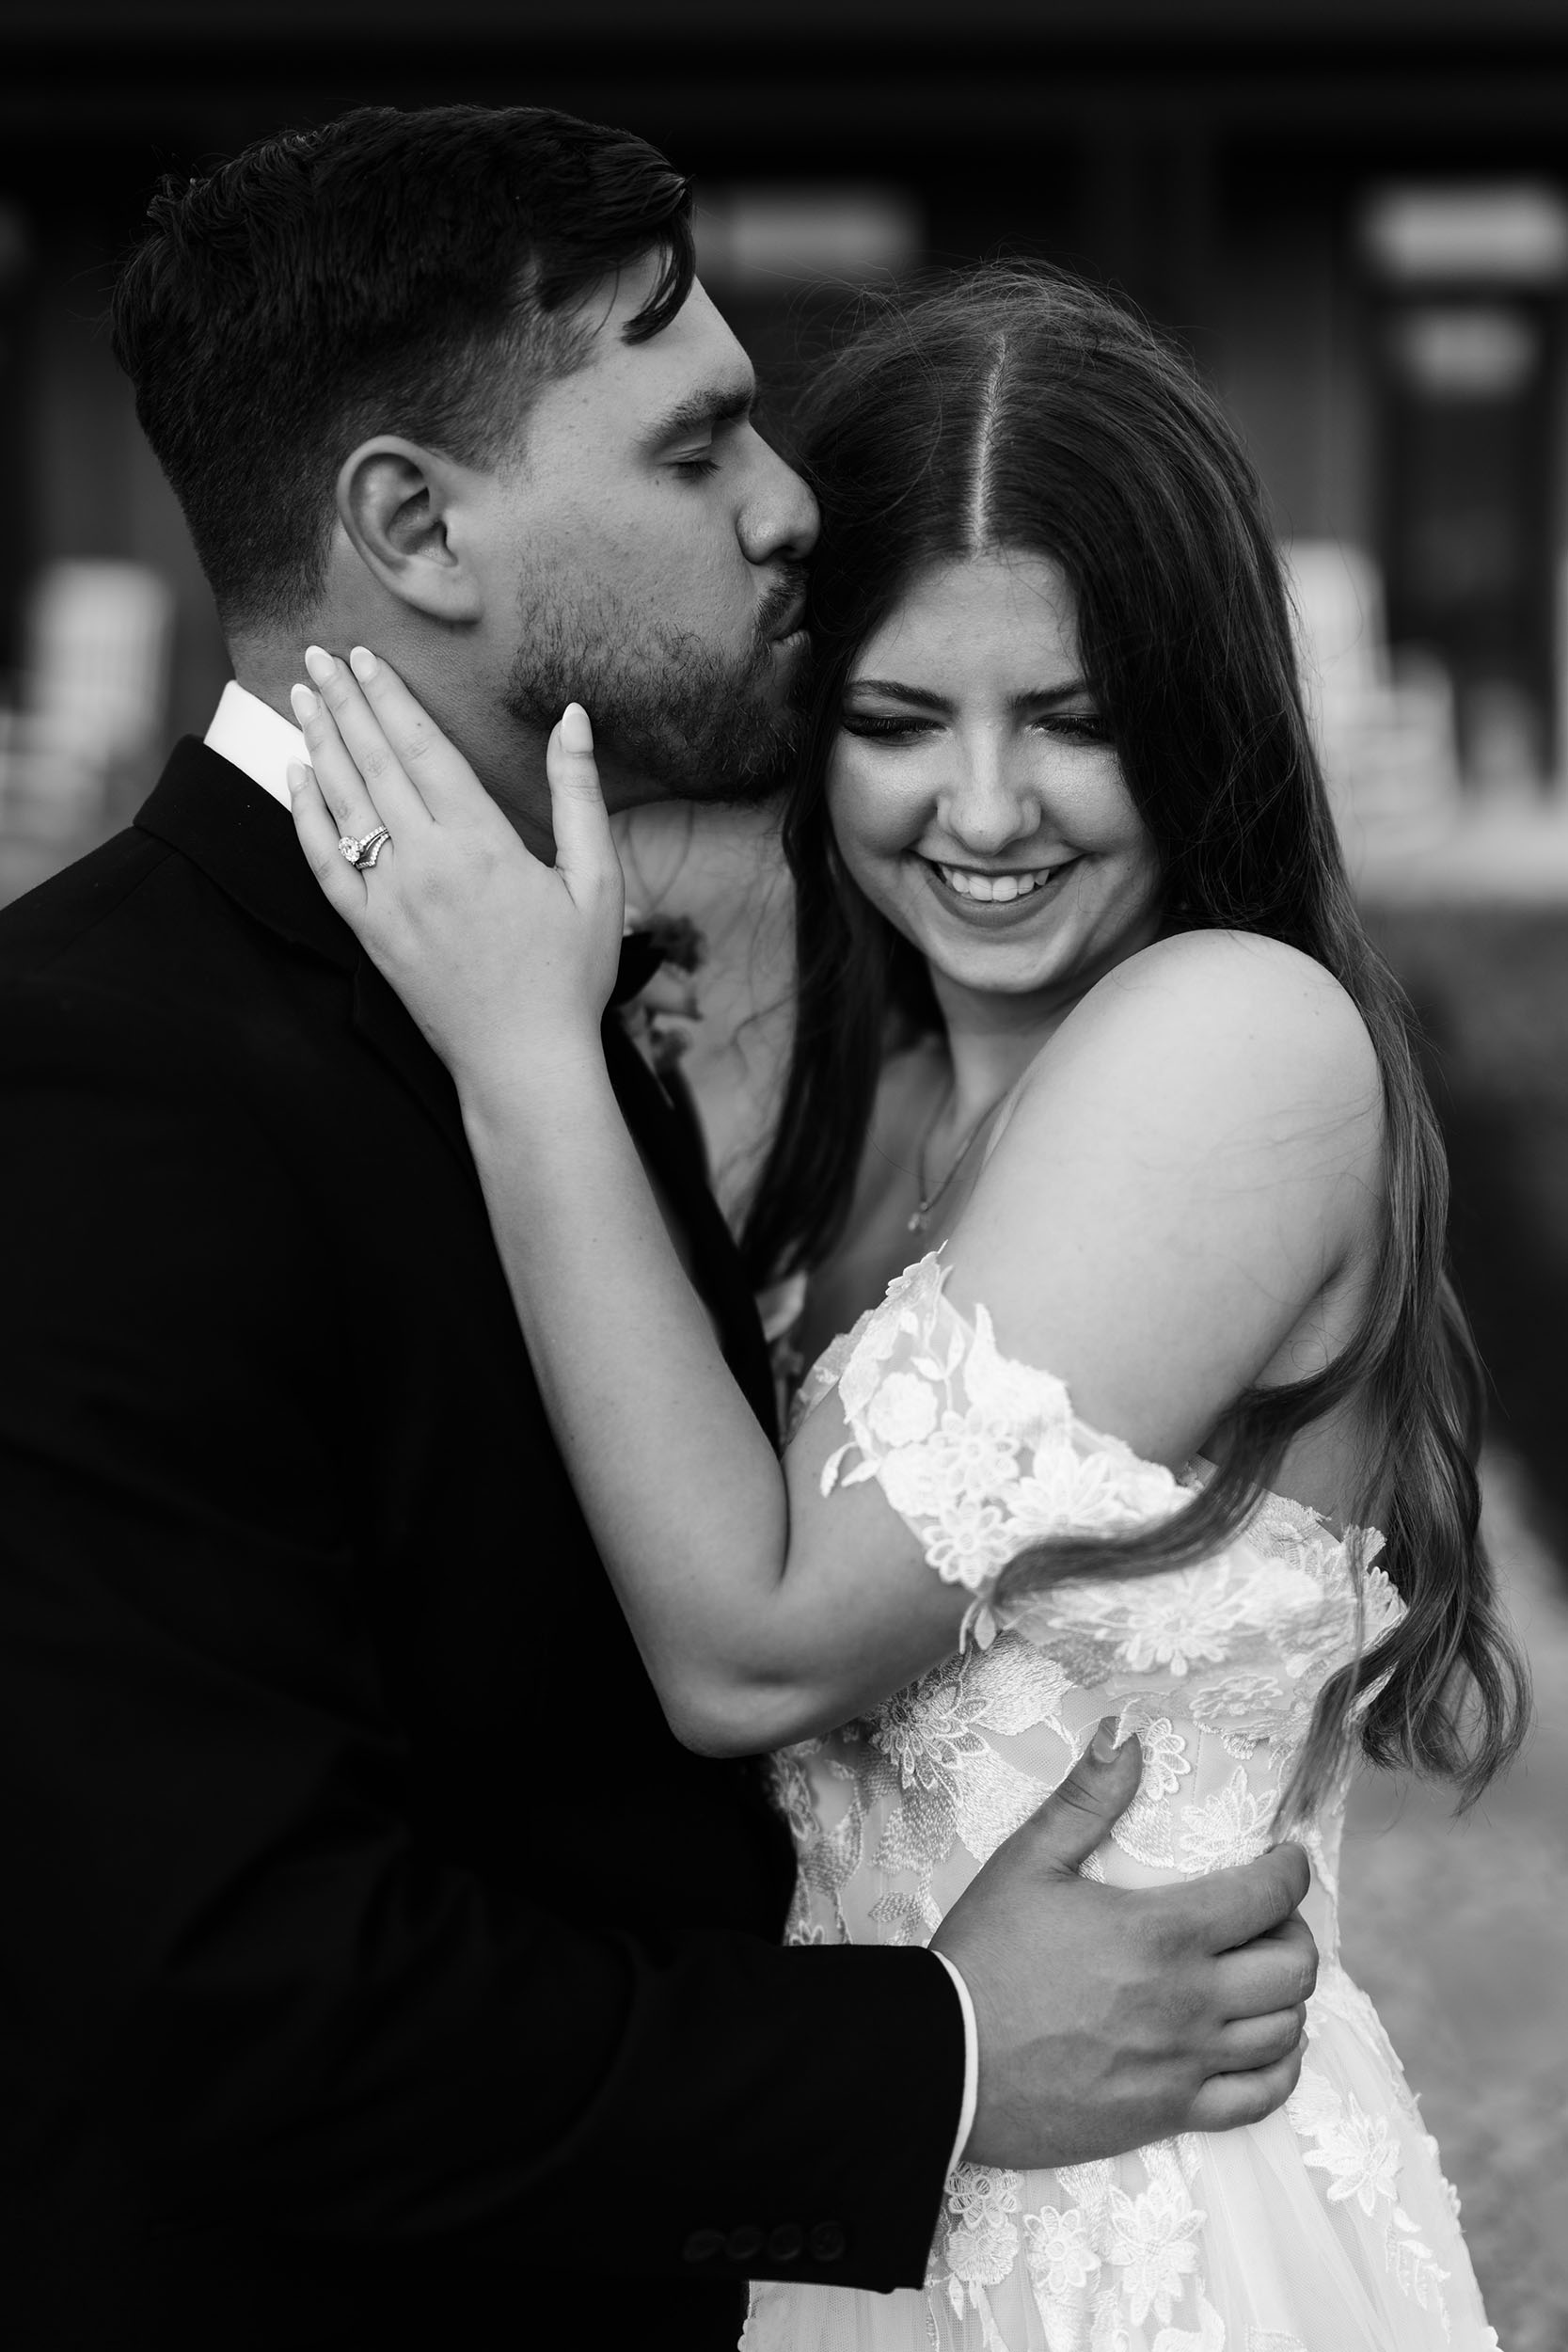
(869, 818)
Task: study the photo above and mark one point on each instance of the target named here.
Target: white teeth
(996, 889)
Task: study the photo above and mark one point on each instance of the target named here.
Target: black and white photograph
(783, 1176)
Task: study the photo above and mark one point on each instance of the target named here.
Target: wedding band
(366, 852)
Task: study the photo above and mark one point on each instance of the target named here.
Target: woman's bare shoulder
(1219, 1020)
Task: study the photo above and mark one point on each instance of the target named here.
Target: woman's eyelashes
(882, 730)
(1077, 726)
(1066, 726)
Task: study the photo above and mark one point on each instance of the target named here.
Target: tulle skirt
(1327, 2228)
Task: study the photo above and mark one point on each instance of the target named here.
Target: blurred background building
(1355, 213)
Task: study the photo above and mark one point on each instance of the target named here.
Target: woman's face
(974, 792)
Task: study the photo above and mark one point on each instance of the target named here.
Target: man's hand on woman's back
(1112, 2016)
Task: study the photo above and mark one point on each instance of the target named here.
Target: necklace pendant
(918, 1221)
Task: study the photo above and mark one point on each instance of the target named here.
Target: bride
(1139, 1390)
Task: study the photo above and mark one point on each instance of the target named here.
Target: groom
(378, 1970)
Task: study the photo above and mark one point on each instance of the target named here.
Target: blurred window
(1468, 278)
(1512, 234)
(1469, 351)
(1467, 399)
(757, 241)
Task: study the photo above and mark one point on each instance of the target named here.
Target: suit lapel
(382, 1019)
(665, 1136)
(245, 842)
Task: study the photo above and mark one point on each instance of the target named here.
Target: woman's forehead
(996, 610)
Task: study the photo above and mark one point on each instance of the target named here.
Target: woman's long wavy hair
(1017, 409)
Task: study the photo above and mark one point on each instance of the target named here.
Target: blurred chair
(90, 711)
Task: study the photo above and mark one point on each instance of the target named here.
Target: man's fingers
(1226, 2101)
(1252, 1897)
(1273, 1972)
(1250, 2043)
(1078, 1813)
(318, 833)
(585, 851)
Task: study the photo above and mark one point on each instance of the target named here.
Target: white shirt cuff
(972, 2062)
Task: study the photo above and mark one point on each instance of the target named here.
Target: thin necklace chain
(927, 1198)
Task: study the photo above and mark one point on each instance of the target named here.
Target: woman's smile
(995, 895)
(975, 793)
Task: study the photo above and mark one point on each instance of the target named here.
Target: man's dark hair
(411, 273)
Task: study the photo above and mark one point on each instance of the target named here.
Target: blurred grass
(1459, 1930)
(1490, 984)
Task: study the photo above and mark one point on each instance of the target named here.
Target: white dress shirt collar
(254, 737)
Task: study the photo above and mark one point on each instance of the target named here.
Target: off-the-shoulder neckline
(905, 1286)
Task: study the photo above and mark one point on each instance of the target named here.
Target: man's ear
(399, 505)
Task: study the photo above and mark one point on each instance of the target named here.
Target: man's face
(655, 544)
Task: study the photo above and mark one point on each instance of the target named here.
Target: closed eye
(1076, 726)
(885, 730)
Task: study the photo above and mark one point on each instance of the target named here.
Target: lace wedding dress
(1327, 2228)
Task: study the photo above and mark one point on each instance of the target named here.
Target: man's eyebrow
(1038, 698)
(716, 404)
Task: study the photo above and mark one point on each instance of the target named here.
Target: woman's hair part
(1019, 410)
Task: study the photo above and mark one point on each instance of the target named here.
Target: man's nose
(778, 517)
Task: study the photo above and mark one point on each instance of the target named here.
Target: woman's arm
(506, 964)
(752, 1635)
(1151, 1200)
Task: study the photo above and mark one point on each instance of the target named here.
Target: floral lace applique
(1144, 1830)
(1362, 2156)
(1062, 2262)
(1153, 2240)
(1359, 2152)
(980, 1456)
(1208, 2336)
(980, 2244)
(983, 1457)
(826, 1860)
(925, 1760)
(1229, 1827)
(1217, 1667)
(1104, 2261)
(1240, 1710)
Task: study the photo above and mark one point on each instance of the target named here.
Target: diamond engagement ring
(364, 852)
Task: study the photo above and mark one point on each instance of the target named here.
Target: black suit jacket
(375, 1966)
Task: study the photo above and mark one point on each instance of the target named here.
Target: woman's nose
(986, 807)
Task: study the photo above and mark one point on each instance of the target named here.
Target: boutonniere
(660, 1014)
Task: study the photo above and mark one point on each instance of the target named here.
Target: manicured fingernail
(296, 776)
(304, 702)
(320, 663)
(1105, 1747)
(362, 662)
(577, 733)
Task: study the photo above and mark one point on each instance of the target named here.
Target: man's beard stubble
(668, 707)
